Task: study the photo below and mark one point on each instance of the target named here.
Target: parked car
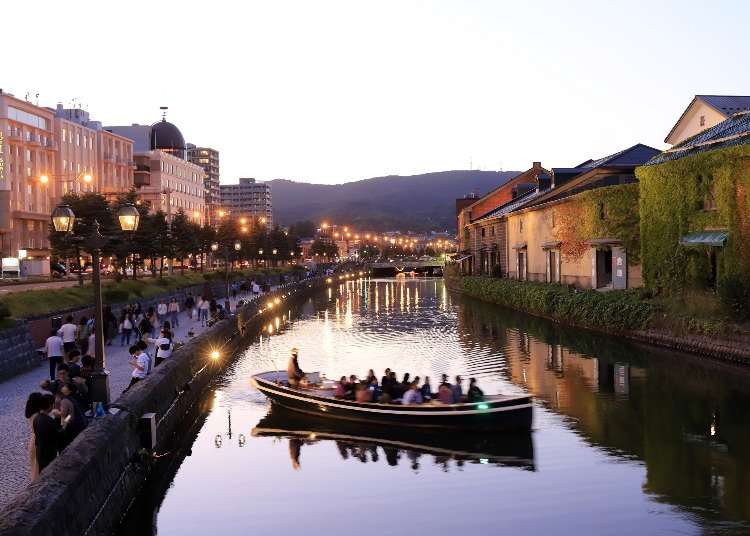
(57, 269)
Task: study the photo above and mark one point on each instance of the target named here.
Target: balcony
(50, 145)
(16, 134)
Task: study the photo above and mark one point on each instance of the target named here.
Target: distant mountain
(418, 202)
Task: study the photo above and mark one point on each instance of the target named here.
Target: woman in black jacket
(46, 432)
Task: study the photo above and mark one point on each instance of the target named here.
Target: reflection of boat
(510, 450)
(496, 412)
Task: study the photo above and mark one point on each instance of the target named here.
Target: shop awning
(705, 238)
(594, 242)
(461, 259)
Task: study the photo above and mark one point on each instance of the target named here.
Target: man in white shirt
(68, 331)
(140, 363)
(53, 347)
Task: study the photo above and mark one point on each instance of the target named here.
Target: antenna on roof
(164, 112)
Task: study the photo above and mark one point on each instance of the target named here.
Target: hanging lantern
(129, 218)
(63, 219)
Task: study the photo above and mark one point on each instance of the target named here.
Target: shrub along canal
(626, 438)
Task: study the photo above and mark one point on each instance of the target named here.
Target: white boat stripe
(374, 410)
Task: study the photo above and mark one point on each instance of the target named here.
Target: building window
(482, 232)
(492, 231)
(703, 120)
(520, 225)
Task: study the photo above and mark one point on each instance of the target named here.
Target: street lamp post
(237, 248)
(63, 220)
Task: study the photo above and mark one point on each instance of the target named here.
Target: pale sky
(323, 91)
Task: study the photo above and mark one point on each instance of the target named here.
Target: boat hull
(495, 413)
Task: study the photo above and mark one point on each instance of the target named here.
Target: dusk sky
(338, 91)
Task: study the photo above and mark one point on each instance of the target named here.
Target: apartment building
(249, 199)
(208, 159)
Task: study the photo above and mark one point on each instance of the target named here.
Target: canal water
(626, 439)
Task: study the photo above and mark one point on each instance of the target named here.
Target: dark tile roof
(732, 131)
(633, 156)
(510, 206)
(729, 104)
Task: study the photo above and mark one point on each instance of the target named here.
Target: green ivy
(614, 310)
(672, 197)
(612, 212)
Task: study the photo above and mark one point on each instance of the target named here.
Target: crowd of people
(62, 411)
(389, 390)
(59, 413)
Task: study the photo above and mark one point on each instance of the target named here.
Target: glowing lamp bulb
(215, 355)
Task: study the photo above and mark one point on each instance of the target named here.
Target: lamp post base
(100, 386)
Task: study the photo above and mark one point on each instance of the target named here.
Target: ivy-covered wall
(707, 191)
(609, 212)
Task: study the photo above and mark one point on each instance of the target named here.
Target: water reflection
(626, 437)
(365, 443)
(684, 418)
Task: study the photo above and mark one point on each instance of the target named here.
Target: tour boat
(496, 412)
(508, 450)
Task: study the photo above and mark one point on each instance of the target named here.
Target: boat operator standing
(293, 371)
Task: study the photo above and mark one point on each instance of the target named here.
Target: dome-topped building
(168, 138)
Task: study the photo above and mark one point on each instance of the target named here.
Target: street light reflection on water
(625, 439)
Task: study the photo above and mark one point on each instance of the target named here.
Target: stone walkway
(14, 429)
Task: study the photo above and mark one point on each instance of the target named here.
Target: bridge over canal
(426, 266)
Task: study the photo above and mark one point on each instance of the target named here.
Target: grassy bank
(37, 302)
(688, 313)
(616, 310)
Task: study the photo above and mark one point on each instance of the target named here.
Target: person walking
(126, 328)
(82, 337)
(53, 347)
(110, 325)
(174, 313)
(189, 304)
(161, 312)
(204, 306)
(68, 332)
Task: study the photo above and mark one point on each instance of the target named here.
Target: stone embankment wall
(19, 344)
(17, 351)
(86, 490)
(724, 349)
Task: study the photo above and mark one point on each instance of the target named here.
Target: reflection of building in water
(685, 419)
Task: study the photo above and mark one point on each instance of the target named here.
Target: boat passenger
(406, 382)
(362, 393)
(426, 389)
(386, 378)
(371, 378)
(413, 395)
(340, 388)
(475, 394)
(293, 370)
(444, 381)
(445, 394)
(349, 387)
(457, 391)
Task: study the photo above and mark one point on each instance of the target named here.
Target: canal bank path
(14, 428)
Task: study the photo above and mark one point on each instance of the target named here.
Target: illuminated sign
(2, 157)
